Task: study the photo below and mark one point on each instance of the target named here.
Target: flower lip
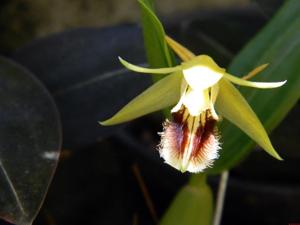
(189, 143)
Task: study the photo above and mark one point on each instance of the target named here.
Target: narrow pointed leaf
(232, 105)
(158, 53)
(160, 95)
(140, 69)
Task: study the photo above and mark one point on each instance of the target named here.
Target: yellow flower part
(200, 90)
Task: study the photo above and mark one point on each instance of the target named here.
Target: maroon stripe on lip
(172, 135)
(184, 143)
(178, 116)
(182, 131)
(205, 138)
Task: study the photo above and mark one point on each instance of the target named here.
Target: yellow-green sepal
(233, 106)
(162, 94)
(243, 82)
(140, 69)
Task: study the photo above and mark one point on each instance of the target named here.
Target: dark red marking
(205, 138)
(177, 134)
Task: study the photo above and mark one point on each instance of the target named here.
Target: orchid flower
(201, 92)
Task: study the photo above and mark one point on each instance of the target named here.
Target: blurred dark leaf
(30, 138)
(215, 32)
(267, 7)
(81, 69)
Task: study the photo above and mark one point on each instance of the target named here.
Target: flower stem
(221, 197)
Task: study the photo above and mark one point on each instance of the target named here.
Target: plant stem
(221, 198)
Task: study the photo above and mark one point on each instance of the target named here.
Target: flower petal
(184, 87)
(180, 50)
(202, 72)
(200, 77)
(214, 91)
(162, 94)
(233, 106)
(196, 101)
(255, 71)
(243, 82)
(149, 70)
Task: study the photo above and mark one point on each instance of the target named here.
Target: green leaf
(278, 44)
(158, 53)
(193, 205)
(162, 94)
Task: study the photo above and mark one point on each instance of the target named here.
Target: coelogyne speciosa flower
(200, 91)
